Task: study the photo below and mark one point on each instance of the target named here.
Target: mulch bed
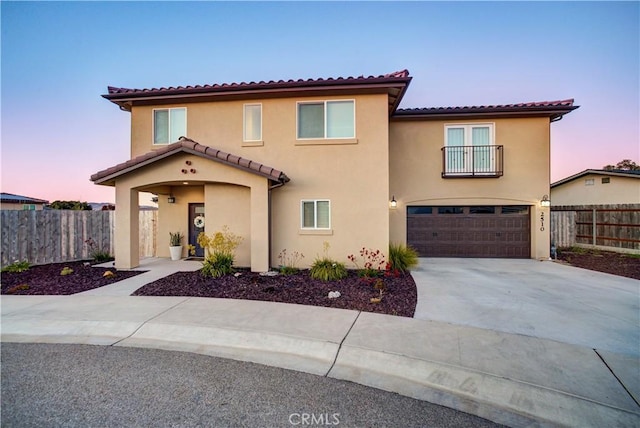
(400, 295)
(46, 279)
(627, 265)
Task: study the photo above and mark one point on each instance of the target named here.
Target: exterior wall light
(545, 202)
(393, 203)
(171, 199)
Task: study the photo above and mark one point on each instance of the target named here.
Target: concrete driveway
(533, 298)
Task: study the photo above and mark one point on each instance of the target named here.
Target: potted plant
(175, 245)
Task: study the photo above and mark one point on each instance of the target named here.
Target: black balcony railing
(472, 161)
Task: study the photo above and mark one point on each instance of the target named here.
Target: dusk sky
(58, 58)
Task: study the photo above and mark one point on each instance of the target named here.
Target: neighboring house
(291, 164)
(597, 187)
(9, 201)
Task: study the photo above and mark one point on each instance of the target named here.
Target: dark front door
(196, 226)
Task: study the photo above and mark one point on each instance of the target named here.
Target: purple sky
(58, 58)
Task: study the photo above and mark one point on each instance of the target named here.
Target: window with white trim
(315, 214)
(326, 119)
(470, 149)
(169, 124)
(252, 122)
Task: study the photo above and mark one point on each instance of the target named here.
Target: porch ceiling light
(171, 199)
(393, 203)
(545, 202)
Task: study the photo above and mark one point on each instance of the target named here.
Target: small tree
(70, 205)
(623, 165)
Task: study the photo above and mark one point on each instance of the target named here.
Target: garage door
(471, 231)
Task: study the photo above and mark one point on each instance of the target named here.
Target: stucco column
(541, 232)
(127, 236)
(260, 227)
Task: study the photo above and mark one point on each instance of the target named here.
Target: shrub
(402, 257)
(66, 271)
(16, 267)
(217, 265)
(326, 269)
(98, 254)
(220, 250)
(374, 263)
(288, 262)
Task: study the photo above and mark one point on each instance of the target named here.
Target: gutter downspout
(275, 186)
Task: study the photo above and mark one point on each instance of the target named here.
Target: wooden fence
(54, 236)
(615, 226)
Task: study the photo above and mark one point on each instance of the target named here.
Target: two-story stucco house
(291, 164)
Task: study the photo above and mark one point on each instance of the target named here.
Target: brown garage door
(473, 231)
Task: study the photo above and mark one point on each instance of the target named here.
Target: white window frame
(315, 214)
(468, 144)
(153, 124)
(324, 103)
(589, 182)
(244, 122)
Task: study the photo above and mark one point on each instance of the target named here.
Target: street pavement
(45, 385)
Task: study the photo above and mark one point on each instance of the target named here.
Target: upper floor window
(315, 214)
(326, 119)
(169, 124)
(470, 151)
(252, 122)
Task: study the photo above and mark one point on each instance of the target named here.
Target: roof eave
(552, 114)
(592, 171)
(382, 85)
(109, 179)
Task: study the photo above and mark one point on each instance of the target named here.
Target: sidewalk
(511, 379)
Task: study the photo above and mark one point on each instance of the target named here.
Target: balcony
(472, 161)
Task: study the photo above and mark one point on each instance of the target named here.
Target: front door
(196, 226)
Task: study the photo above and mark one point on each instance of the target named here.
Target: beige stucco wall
(416, 165)
(353, 174)
(620, 190)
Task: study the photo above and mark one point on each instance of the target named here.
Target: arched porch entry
(231, 190)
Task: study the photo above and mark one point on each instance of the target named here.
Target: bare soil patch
(627, 265)
(399, 298)
(47, 280)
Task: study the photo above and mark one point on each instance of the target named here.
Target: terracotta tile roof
(403, 74)
(187, 145)
(395, 83)
(553, 109)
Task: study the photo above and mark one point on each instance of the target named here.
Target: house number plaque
(542, 222)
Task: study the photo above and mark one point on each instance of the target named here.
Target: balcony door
(469, 149)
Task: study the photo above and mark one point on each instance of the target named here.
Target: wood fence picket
(55, 236)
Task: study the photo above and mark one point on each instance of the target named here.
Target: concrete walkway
(508, 378)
